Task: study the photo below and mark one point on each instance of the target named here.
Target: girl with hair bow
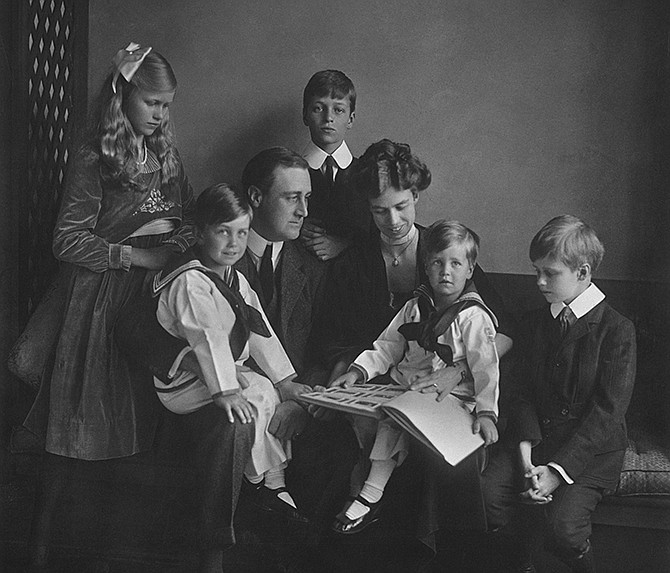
(125, 210)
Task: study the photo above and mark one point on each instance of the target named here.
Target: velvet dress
(95, 405)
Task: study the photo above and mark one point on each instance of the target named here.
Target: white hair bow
(127, 61)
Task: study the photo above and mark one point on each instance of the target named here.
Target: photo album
(445, 427)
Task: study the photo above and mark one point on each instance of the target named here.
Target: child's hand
(544, 478)
(311, 229)
(347, 379)
(442, 381)
(235, 405)
(485, 426)
(326, 247)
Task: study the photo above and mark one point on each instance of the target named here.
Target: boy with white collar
(576, 376)
(338, 215)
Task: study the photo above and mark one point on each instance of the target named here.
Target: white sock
(373, 488)
(274, 479)
(254, 479)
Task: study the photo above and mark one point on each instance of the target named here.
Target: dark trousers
(221, 451)
(567, 518)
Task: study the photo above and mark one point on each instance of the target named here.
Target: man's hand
(441, 381)
(235, 405)
(347, 379)
(485, 426)
(289, 420)
(319, 412)
(290, 390)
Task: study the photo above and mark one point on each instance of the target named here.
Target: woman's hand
(235, 405)
(442, 381)
(485, 426)
(347, 379)
(153, 259)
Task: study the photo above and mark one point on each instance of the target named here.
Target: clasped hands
(541, 481)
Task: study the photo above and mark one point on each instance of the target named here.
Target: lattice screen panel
(50, 74)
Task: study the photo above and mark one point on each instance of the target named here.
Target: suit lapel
(293, 280)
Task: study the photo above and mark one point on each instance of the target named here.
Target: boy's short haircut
(386, 164)
(443, 234)
(220, 203)
(260, 171)
(570, 240)
(331, 83)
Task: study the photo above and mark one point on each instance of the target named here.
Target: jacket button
(564, 412)
(558, 364)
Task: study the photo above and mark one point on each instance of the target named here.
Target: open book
(445, 427)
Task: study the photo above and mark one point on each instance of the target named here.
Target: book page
(445, 426)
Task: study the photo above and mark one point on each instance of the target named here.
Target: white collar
(256, 244)
(315, 156)
(585, 302)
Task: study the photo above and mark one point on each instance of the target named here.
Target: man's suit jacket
(301, 281)
(300, 285)
(575, 392)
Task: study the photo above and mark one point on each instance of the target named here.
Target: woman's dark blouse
(358, 300)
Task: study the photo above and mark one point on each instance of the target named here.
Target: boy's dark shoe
(268, 500)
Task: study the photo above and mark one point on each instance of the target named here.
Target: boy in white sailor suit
(446, 329)
(207, 303)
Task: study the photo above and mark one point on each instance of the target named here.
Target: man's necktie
(266, 273)
(329, 173)
(567, 319)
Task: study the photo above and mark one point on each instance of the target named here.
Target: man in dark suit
(290, 284)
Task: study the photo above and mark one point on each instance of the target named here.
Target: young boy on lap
(576, 378)
(202, 299)
(446, 328)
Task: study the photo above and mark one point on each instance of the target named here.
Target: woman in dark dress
(368, 284)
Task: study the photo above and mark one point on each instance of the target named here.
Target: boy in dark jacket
(576, 374)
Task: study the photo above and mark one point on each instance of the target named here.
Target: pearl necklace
(146, 154)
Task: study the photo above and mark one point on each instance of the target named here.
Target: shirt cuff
(562, 472)
(177, 362)
(289, 378)
(488, 414)
(119, 256)
(225, 393)
(359, 369)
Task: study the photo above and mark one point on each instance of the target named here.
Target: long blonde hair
(114, 134)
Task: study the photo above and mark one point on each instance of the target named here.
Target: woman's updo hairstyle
(388, 164)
